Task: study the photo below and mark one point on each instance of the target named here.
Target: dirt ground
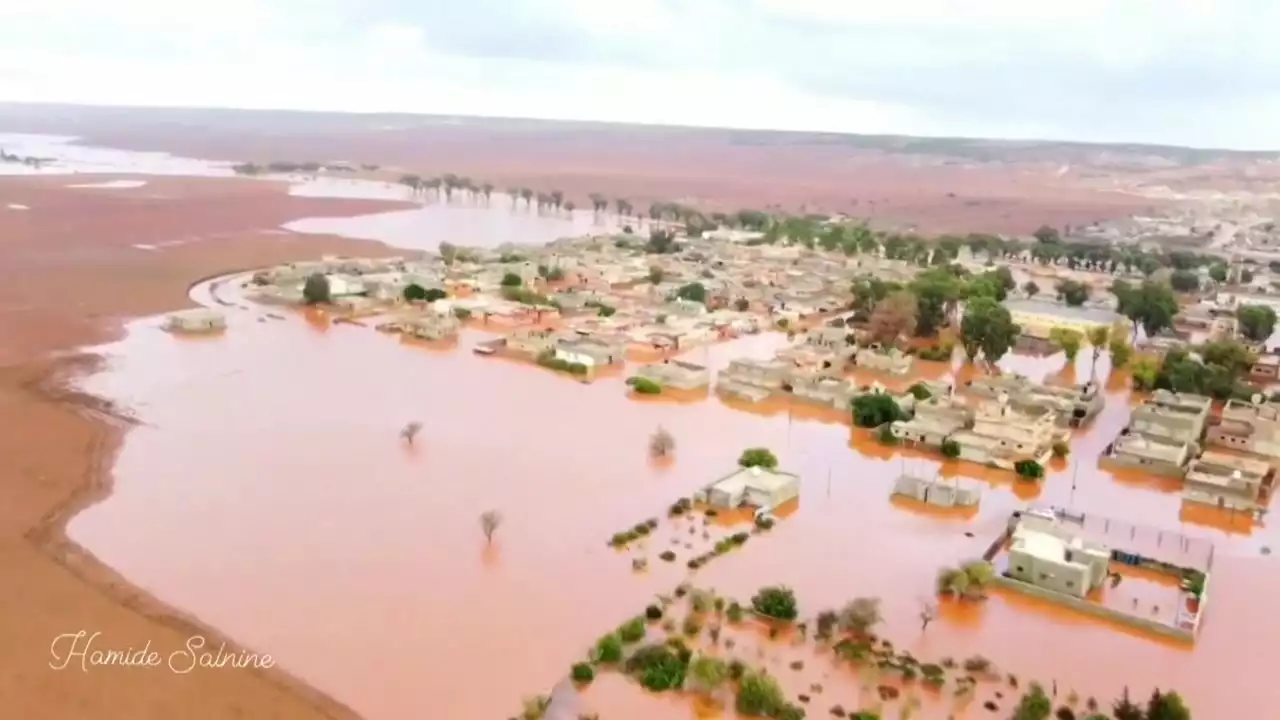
(712, 169)
(69, 272)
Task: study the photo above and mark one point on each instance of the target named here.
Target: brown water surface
(268, 493)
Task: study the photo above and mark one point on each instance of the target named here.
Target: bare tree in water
(661, 443)
(410, 431)
(490, 521)
(928, 613)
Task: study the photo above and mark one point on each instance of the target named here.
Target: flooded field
(267, 492)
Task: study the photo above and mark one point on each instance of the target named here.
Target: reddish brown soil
(715, 169)
(68, 273)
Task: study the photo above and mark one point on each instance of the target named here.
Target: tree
(1031, 288)
(448, 252)
(928, 613)
(1073, 293)
(987, 328)
(708, 672)
(937, 290)
(759, 695)
(511, 280)
(758, 457)
(490, 521)
(1067, 340)
(434, 294)
(868, 291)
(694, 291)
(656, 275)
(661, 443)
(741, 305)
(1166, 706)
(860, 615)
(872, 410)
(1034, 705)
(1121, 350)
(1046, 234)
(950, 449)
(1144, 371)
(1125, 709)
(1099, 336)
(415, 292)
(894, 318)
(315, 290)
(1257, 322)
(410, 431)
(1151, 305)
(1219, 273)
(1184, 281)
(776, 601)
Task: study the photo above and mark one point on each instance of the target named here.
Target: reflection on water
(63, 156)
(269, 494)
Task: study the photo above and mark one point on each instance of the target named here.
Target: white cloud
(1163, 71)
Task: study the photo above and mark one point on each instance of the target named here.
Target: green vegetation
(950, 449)
(968, 581)
(461, 313)
(658, 668)
(758, 457)
(695, 292)
(708, 673)
(548, 359)
(608, 649)
(1213, 370)
(920, 391)
(938, 353)
(1150, 305)
(1034, 704)
(525, 295)
(415, 293)
(987, 330)
(550, 274)
(1257, 322)
(632, 631)
(777, 602)
(1061, 449)
(759, 695)
(512, 280)
(582, 673)
(315, 291)
(644, 386)
(872, 410)
(1029, 469)
(1073, 293)
(1068, 341)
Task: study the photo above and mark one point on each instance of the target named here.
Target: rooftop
(757, 478)
(1044, 307)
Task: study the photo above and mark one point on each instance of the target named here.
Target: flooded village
(670, 474)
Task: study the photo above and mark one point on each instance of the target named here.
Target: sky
(1186, 72)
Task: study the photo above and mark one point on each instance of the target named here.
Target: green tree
(1073, 293)
(1151, 305)
(1068, 341)
(776, 601)
(582, 673)
(511, 280)
(1125, 709)
(1257, 322)
(1121, 351)
(868, 291)
(415, 292)
(1144, 370)
(1166, 706)
(1034, 705)
(434, 294)
(758, 457)
(759, 695)
(709, 673)
(448, 252)
(1029, 469)
(987, 329)
(1046, 234)
(1184, 281)
(655, 275)
(1031, 288)
(694, 291)
(1218, 273)
(741, 305)
(950, 449)
(937, 290)
(874, 409)
(608, 649)
(315, 290)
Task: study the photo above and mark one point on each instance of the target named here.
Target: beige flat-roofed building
(1047, 557)
(755, 486)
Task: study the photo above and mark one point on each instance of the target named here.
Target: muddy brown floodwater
(267, 492)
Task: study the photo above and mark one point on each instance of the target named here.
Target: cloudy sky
(1198, 72)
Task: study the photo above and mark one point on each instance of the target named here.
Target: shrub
(734, 612)
(875, 409)
(937, 353)
(791, 712)
(619, 539)
(776, 601)
(511, 280)
(653, 612)
(977, 664)
(886, 436)
(434, 294)
(549, 360)
(759, 695)
(641, 529)
(582, 673)
(736, 669)
(758, 457)
(1029, 469)
(1061, 448)
(659, 667)
(414, 292)
(316, 289)
(931, 670)
(920, 391)
(950, 449)
(461, 313)
(632, 631)
(667, 556)
(764, 522)
(691, 626)
(645, 386)
(609, 649)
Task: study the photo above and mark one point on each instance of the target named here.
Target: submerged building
(754, 486)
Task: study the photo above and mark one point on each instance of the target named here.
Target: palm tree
(410, 431)
(624, 207)
(527, 194)
(486, 189)
(450, 182)
(413, 182)
(569, 206)
(598, 202)
(434, 184)
(557, 199)
(514, 194)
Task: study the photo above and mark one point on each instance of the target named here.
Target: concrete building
(1156, 454)
(425, 326)
(937, 491)
(892, 361)
(766, 375)
(935, 419)
(1046, 554)
(1248, 427)
(1266, 369)
(820, 388)
(530, 341)
(754, 486)
(1227, 481)
(589, 351)
(196, 320)
(676, 374)
(1180, 417)
(1074, 405)
(1039, 318)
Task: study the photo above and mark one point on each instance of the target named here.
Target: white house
(754, 486)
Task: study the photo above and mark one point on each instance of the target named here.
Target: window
(1044, 576)
(1070, 584)
(1020, 569)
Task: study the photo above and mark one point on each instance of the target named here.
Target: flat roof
(755, 477)
(1042, 307)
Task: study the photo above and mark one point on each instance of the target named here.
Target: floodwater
(268, 493)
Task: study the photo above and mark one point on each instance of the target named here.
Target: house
(892, 361)
(531, 341)
(426, 326)
(589, 351)
(1248, 427)
(1227, 481)
(343, 285)
(1001, 435)
(766, 374)
(1074, 405)
(937, 491)
(1039, 318)
(1266, 369)
(1048, 555)
(1152, 453)
(815, 386)
(934, 421)
(754, 486)
(1181, 417)
(197, 320)
(676, 374)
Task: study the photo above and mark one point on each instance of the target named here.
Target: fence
(1166, 546)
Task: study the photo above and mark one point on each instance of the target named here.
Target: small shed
(196, 321)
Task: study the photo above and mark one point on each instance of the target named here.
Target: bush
(653, 612)
(977, 664)
(645, 386)
(667, 556)
(414, 292)
(582, 673)
(758, 457)
(640, 529)
(620, 539)
(764, 522)
(659, 668)
(434, 294)
(1029, 469)
(1061, 448)
(759, 695)
(511, 280)
(632, 631)
(950, 449)
(886, 436)
(734, 612)
(776, 601)
(875, 409)
(920, 392)
(937, 353)
(316, 289)
(692, 626)
(931, 670)
(549, 360)
(736, 669)
(609, 649)
(791, 712)
(461, 313)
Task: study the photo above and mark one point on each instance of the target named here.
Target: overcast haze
(1173, 71)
